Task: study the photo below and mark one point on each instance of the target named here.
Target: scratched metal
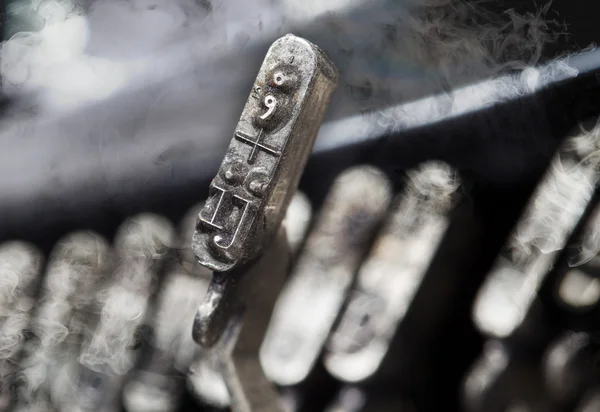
(267, 155)
(320, 281)
(235, 356)
(348, 399)
(392, 272)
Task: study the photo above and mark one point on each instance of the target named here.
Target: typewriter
(403, 218)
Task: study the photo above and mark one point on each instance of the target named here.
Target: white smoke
(141, 244)
(559, 202)
(87, 53)
(76, 267)
(435, 181)
(159, 64)
(172, 345)
(552, 213)
(587, 146)
(204, 380)
(437, 45)
(93, 376)
(20, 266)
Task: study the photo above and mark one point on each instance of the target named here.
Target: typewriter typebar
(158, 382)
(77, 268)
(239, 233)
(205, 378)
(324, 272)
(570, 367)
(266, 157)
(93, 379)
(391, 274)
(525, 262)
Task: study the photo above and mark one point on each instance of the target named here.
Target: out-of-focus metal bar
(494, 380)
(320, 281)
(77, 270)
(392, 273)
(503, 379)
(357, 399)
(571, 368)
(562, 313)
(590, 402)
(297, 221)
(93, 380)
(542, 232)
(20, 271)
(158, 383)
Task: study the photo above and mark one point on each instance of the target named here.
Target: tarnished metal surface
(321, 279)
(204, 377)
(267, 155)
(247, 202)
(391, 274)
(245, 300)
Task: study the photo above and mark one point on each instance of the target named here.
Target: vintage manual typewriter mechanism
(373, 233)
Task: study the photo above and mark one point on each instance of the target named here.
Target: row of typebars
(359, 261)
